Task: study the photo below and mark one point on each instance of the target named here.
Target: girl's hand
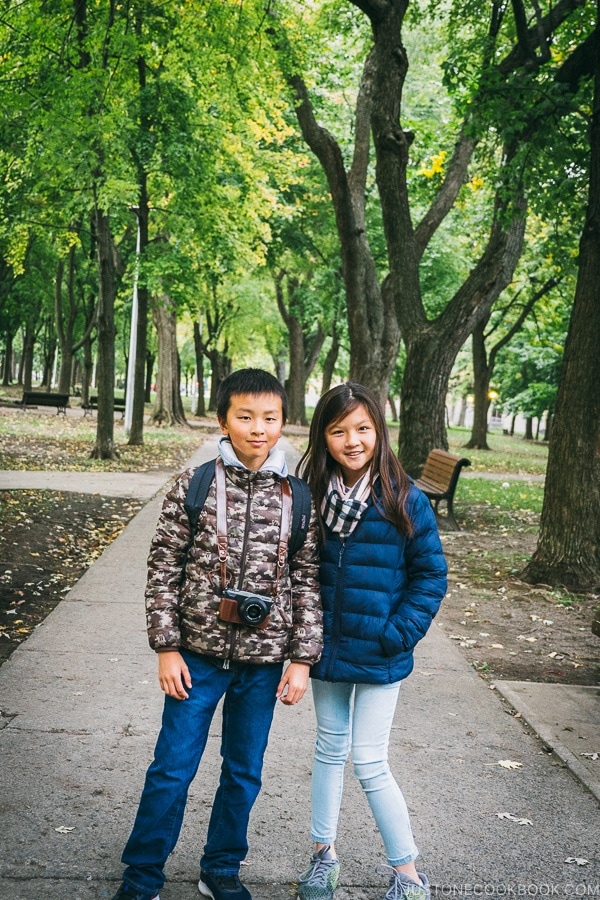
(173, 675)
(293, 684)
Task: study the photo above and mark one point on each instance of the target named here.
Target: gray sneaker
(404, 888)
(321, 878)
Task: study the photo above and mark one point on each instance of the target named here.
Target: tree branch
(283, 311)
(357, 176)
(315, 349)
(545, 289)
(539, 33)
(447, 194)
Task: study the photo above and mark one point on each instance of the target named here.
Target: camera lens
(253, 610)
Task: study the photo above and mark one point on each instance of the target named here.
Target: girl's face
(351, 442)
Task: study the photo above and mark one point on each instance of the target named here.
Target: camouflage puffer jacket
(183, 587)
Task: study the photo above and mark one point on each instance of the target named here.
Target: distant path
(140, 485)
(502, 476)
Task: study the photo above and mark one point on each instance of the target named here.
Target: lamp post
(129, 390)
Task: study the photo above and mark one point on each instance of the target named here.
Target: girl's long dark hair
(317, 464)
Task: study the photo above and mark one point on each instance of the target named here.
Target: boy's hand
(293, 684)
(173, 674)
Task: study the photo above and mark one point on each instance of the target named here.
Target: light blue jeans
(358, 718)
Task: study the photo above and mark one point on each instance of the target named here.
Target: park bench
(119, 405)
(44, 398)
(438, 481)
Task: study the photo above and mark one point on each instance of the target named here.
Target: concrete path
(140, 485)
(80, 712)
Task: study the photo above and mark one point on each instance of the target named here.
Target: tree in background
(497, 72)
(484, 357)
(568, 550)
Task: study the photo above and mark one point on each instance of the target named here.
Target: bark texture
(105, 447)
(169, 407)
(304, 347)
(568, 550)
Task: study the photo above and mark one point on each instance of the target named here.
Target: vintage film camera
(245, 608)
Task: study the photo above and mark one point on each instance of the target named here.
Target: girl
(383, 577)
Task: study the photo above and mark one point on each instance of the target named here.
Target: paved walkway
(81, 708)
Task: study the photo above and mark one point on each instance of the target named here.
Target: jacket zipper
(234, 628)
(337, 610)
(246, 533)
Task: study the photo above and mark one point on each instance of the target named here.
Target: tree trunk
(169, 407)
(423, 402)
(220, 365)
(304, 347)
(21, 366)
(28, 350)
(199, 354)
(150, 359)
(481, 387)
(330, 360)
(64, 329)
(90, 317)
(373, 330)
(463, 412)
(296, 383)
(568, 550)
(105, 447)
(8, 358)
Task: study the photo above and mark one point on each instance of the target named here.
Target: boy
(206, 651)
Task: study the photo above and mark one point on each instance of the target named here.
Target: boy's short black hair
(249, 381)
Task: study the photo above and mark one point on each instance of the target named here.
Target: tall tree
(484, 358)
(393, 300)
(568, 550)
(169, 406)
(304, 343)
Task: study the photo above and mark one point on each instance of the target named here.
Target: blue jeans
(358, 718)
(249, 692)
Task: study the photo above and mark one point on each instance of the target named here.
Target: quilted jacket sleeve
(307, 636)
(166, 567)
(426, 584)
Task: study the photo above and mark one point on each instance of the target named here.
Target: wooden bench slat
(439, 479)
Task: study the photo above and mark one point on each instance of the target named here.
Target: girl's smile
(352, 442)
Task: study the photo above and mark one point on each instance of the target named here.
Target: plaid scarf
(343, 506)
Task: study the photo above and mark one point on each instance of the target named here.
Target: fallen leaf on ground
(64, 829)
(509, 764)
(577, 859)
(517, 819)
(591, 755)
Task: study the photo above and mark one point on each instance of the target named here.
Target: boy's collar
(275, 462)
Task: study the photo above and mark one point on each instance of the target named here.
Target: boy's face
(253, 425)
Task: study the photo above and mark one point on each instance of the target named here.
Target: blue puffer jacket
(380, 592)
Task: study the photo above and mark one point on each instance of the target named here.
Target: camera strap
(284, 528)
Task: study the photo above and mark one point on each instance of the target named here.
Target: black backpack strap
(197, 492)
(301, 498)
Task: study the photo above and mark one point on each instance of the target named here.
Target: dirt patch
(508, 629)
(47, 541)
